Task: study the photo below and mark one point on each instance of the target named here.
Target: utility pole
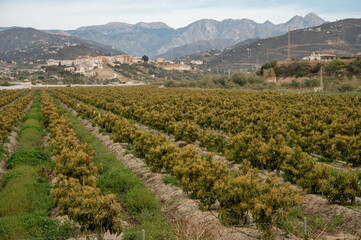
(321, 78)
(289, 43)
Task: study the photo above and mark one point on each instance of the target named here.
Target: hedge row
(76, 194)
(11, 113)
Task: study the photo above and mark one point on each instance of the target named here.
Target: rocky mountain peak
(152, 25)
(313, 19)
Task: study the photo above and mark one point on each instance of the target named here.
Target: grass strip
(25, 201)
(141, 206)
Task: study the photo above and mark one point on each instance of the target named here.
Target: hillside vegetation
(341, 38)
(29, 44)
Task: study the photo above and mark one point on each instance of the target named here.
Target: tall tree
(145, 58)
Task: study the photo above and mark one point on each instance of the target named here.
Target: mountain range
(153, 39)
(157, 39)
(341, 38)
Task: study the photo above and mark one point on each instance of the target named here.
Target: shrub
(302, 69)
(220, 80)
(186, 131)
(159, 157)
(312, 181)
(213, 141)
(348, 149)
(301, 169)
(346, 88)
(316, 69)
(78, 163)
(341, 187)
(354, 67)
(245, 78)
(335, 66)
(123, 131)
(273, 202)
(273, 154)
(245, 146)
(312, 83)
(295, 84)
(144, 141)
(267, 202)
(87, 206)
(198, 175)
(239, 78)
(236, 195)
(269, 65)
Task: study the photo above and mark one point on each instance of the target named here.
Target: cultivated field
(180, 164)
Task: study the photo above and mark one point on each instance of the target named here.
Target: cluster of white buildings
(320, 57)
(170, 65)
(85, 65)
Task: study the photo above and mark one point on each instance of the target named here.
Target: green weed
(11, 175)
(6, 139)
(30, 157)
(170, 180)
(24, 194)
(35, 225)
(137, 200)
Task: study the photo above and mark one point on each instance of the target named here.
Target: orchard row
(248, 146)
(77, 195)
(240, 194)
(11, 112)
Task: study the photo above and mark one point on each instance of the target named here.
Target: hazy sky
(71, 14)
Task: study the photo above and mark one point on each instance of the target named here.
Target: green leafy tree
(145, 58)
(342, 187)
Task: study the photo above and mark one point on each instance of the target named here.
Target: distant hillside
(158, 39)
(342, 38)
(6, 28)
(199, 46)
(135, 39)
(29, 44)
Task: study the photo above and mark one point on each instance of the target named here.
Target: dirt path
(12, 145)
(351, 220)
(175, 203)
